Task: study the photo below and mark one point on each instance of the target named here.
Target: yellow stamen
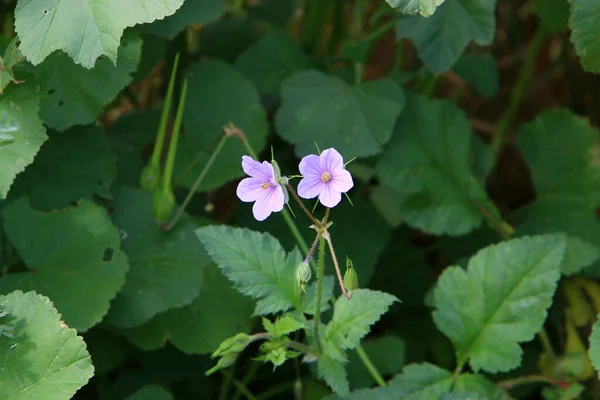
(326, 177)
(265, 185)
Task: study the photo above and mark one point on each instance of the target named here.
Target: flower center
(326, 177)
(264, 186)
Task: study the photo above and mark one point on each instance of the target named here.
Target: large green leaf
(441, 39)
(352, 319)
(558, 147)
(83, 29)
(499, 301)
(421, 381)
(45, 359)
(166, 268)
(21, 132)
(275, 57)
(192, 12)
(218, 313)
(70, 166)
(427, 166)
(73, 95)
(218, 95)
(73, 257)
(425, 8)
(151, 392)
(479, 70)
(334, 373)
(584, 24)
(257, 264)
(356, 120)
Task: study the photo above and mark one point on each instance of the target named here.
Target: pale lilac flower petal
(329, 197)
(331, 160)
(258, 170)
(310, 166)
(309, 188)
(250, 189)
(342, 181)
(271, 200)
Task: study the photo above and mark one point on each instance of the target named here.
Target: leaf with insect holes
(499, 301)
(85, 30)
(73, 256)
(45, 359)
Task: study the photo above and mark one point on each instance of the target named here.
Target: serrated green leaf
(272, 59)
(283, 325)
(46, 359)
(472, 386)
(584, 14)
(334, 373)
(151, 392)
(441, 39)
(352, 319)
(73, 257)
(554, 14)
(21, 132)
(558, 147)
(70, 166)
(257, 264)
(421, 381)
(479, 70)
(426, 8)
(437, 191)
(499, 301)
(218, 313)
(218, 95)
(73, 95)
(356, 120)
(387, 353)
(12, 56)
(84, 30)
(166, 268)
(192, 12)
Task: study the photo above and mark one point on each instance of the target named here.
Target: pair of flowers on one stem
(323, 176)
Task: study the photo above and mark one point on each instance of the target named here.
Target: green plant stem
(369, 365)
(276, 390)
(382, 30)
(170, 162)
(335, 263)
(516, 97)
(522, 380)
(247, 379)
(226, 384)
(197, 183)
(239, 385)
(164, 116)
(546, 344)
(320, 272)
(303, 207)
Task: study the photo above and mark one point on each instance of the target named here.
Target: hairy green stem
(370, 367)
(197, 183)
(170, 161)
(522, 380)
(337, 266)
(303, 207)
(319, 295)
(517, 92)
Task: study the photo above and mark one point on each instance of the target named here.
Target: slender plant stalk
(276, 390)
(546, 344)
(239, 385)
(517, 92)
(289, 220)
(337, 267)
(197, 183)
(303, 207)
(523, 380)
(320, 272)
(170, 162)
(370, 367)
(247, 379)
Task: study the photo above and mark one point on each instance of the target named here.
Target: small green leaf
(499, 301)
(421, 381)
(219, 307)
(72, 256)
(46, 359)
(257, 264)
(272, 59)
(21, 132)
(219, 95)
(352, 319)
(70, 166)
(436, 190)
(441, 39)
(166, 267)
(74, 95)
(334, 373)
(284, 325)
(584, 14)
(84, 30)
(356, 120)
(426, 8)
(192, 12)
(151, 392)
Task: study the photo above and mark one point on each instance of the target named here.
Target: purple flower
(262, 187)
(324, 176)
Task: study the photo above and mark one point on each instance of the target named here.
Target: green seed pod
(226, 361)
(350, 277)
(150, 177)
(303, 274)
(233, 344)
(163, 203)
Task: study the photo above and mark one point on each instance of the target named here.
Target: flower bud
(150, 177)
(233, 344)
(163, 203)
(303, 274)
(350, 277)
(226, 361)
